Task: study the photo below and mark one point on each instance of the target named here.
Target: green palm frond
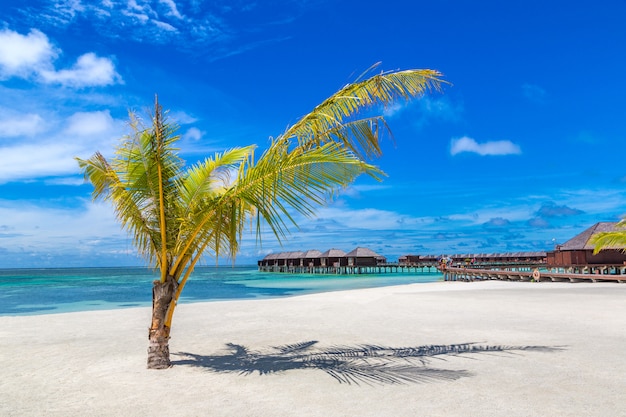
(141, 182)
(300, 180)
(202, 214)
(610, 240)
(109, 187)
(175, 214)
(384, 89)
(211, 177)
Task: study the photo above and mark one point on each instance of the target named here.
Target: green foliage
(177, 213)
(610, 240)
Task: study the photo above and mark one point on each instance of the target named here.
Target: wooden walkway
(526, 274)
(386, 268)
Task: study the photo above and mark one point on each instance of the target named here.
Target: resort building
(313, 261)
(578, 251)
(508, 258)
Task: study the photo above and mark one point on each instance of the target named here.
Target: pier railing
(597, 273)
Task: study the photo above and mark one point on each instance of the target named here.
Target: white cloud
(73, 181)
(182, 118)
(91, 123)
(165, 26)
(13, 124)
(30, 161)
(80, 134)
(499, 147)
(173, 9)
(23, 55)
(31, 56)
(366, 219)
(62, 233)
(186, 24)
(193, 134)
(89, 70)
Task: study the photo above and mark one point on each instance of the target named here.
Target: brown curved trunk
(159, 334)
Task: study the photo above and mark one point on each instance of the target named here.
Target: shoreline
(438, 349)
(69, 291)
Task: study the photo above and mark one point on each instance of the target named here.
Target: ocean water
(47, 291)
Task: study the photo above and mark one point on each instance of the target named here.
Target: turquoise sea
(46, 291)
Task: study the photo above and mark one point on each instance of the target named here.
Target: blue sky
(523, 150)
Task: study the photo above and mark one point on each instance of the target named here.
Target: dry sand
(540, 349)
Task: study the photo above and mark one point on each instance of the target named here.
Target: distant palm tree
(177, 213)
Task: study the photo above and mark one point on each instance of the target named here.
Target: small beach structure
(579, 252)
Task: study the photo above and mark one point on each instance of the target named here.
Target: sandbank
(436, 349)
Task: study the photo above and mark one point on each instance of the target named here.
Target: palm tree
(177, 213)
(615, 239)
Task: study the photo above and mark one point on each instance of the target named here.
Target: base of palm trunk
(159, 354)
(159, 334)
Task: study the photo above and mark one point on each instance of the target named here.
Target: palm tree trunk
(159, 334)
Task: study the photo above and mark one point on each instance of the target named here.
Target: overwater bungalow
(578, 251)
(334, 258)
(311, 258)
(359, 260)
(537, 257)
(364, 257)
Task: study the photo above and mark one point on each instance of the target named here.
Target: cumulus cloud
(89, 123)
(32, 56)
(28, 161)
(14, 124)
(500, 147)
(193, 134)
(182, 117)
(63, 233)
(89, 70)
(371, 219)
(549, 210)
(497, 223)
(21, 55)
(52, 152)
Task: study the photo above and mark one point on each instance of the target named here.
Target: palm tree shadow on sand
(369, 364)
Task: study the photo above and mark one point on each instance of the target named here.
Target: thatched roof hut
(364, 257)
(579, 250)
(334, 257)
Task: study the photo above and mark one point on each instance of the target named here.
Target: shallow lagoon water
(46, 291)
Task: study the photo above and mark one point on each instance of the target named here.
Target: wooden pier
(600, 273)
(385, 268)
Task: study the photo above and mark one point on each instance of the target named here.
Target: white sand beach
(537, 349)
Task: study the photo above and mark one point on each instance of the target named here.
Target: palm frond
(108, 186)
(211, 177)
(175, 215)
(609, 240)
(334, 112)
(283, 181)
(141, 182)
